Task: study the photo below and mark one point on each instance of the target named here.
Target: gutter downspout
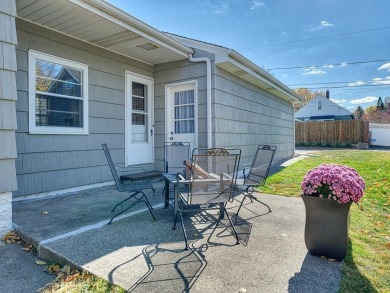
(208, 93)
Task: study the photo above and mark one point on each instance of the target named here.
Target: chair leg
(163, 191)
(184, 230)
(251, 197)
(231, 223)
(182, 226)
(146, 200)
(122, 211)
(174, 225)
(143, 199)
(123, 201)
(259, 201)
(150, 210)
(242, 202)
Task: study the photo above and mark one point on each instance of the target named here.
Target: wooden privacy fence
(341, 132)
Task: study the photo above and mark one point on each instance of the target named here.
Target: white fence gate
(380, 134)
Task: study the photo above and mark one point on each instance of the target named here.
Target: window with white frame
(58, 91)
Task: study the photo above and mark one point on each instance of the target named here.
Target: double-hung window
(58, 95)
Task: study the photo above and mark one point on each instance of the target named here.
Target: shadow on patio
(141, 255)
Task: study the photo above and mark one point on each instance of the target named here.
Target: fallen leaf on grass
(388, 245)
(53, 269)
(379, 224)
(86, 277)
(72, 277)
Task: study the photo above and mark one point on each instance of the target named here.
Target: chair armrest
(244, 170)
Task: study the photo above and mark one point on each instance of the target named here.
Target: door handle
(151, 132)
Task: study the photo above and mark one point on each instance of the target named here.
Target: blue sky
(270, 34)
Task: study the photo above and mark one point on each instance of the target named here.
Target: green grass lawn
(367, 265)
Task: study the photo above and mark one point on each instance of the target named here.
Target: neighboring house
(321, 108)
(387, 103)
(89, 73)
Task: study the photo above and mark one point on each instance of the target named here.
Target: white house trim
(110, 12)
(237, 64)
(33, 128)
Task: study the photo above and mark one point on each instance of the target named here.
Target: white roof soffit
(102, 24)
(245, 69)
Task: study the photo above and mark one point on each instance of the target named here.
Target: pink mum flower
(335, 182)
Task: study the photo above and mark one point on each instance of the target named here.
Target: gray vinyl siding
(53, 162)
(176, 72)
(246, 116)
(8, 123)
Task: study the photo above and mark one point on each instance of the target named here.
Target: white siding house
(322, 108)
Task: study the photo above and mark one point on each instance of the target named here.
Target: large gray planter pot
(326, 227)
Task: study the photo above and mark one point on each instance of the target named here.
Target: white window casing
(58, 95)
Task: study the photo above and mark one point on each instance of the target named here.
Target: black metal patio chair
(135, 189)
(174, 155)
(256, 175)
(210, 185)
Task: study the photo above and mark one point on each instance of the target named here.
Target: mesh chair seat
(209, 184)
(256, 175)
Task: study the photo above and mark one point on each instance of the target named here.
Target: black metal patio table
(171, 178)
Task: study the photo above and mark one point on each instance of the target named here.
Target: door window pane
(138, 104)
(138, 89)
(184, 109)
(139, 115)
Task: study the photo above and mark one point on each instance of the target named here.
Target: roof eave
(265, 76)
(137, 25)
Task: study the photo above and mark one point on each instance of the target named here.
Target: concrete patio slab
(141, 255)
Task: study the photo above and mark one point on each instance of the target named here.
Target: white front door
(139, 120)
(181, 113)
